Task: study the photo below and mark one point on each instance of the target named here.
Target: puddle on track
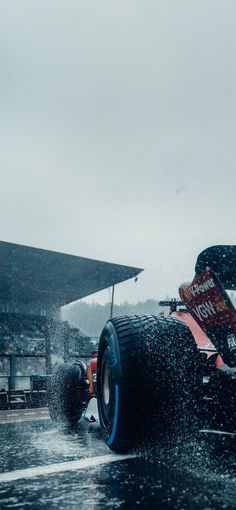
(192, 475)
(38, 443)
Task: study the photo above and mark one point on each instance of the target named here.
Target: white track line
(90, 462)
(218, 432)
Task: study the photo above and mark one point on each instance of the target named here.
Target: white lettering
(202, 287)
(210, 308)
(197, 313)
(231, 339)
(204, 311)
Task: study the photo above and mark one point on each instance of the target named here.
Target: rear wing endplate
(207, 301)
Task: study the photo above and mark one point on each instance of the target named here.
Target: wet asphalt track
(193, 475)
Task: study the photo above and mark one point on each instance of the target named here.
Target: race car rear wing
(208, 302)
(222, 260)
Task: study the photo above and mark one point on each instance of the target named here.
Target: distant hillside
(92, 317)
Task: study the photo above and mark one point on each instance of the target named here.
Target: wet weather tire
(66, 393)
(147, 376)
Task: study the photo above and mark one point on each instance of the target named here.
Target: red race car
(157, 376)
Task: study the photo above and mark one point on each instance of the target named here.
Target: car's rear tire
(67, 397)
(147, 375)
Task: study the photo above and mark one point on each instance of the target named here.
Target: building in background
(34, 285)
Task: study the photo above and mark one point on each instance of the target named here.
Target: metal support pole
(12, 378)
(48, 351)
(112, 300)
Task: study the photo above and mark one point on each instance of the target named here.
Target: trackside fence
(22, 392)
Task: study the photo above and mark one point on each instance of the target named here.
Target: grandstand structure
(34, 285)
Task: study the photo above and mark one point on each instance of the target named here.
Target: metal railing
(22, 392)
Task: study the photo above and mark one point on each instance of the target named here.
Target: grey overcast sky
(117, 124)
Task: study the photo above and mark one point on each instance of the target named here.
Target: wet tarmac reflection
(193, 475)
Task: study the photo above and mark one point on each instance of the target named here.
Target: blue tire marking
(113, 432)
(113, 350)
(115, 421)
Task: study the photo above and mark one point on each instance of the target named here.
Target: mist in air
(117, 133)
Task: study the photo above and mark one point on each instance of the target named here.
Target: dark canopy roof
(51, 279)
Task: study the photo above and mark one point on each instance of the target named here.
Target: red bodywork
(92, 374)
(211, 315)
(200, 337)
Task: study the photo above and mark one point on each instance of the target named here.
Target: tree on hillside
(92, 317)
